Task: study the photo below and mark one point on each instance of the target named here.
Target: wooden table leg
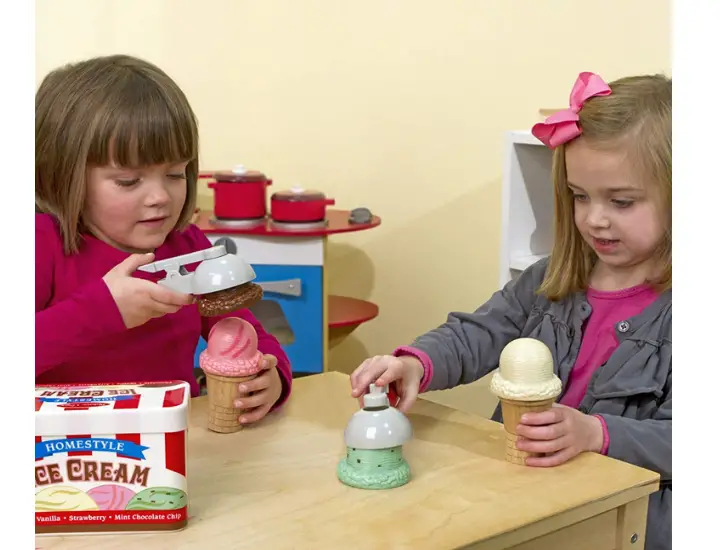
(622, 528)
(631, 525)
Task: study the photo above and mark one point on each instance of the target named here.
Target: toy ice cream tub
(111, 457)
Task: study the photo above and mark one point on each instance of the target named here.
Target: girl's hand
(139, 300)
(562, 433)
(257, 396)
(406, 372)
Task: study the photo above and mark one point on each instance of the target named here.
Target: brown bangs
(144, 124)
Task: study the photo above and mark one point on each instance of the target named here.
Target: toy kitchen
(286, 244)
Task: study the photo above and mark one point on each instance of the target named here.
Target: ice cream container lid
(135, 407)
(298, 194)
(239, 174)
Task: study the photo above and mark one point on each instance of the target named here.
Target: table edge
(555, 522)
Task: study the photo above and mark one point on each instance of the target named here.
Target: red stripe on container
(175, 441)
(173, 398)
(175, 452)
(132, 403)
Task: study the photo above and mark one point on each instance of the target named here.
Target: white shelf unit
(527, 204)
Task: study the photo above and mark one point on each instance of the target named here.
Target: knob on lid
(377, 397)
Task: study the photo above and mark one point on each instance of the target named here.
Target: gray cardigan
(632, 390)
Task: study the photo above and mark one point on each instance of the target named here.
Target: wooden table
(273, 487)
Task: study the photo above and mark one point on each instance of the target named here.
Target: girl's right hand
(406, 372)
(137, 299)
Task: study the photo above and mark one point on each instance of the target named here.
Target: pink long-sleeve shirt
(80, 335)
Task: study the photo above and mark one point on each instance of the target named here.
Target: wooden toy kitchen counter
(286, 246)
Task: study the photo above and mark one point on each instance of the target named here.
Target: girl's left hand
(562, 433)
(257, 396)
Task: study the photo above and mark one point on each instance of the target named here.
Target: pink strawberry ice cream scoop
(232, 349)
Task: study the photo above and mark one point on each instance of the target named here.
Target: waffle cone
(512, 412)
(223, 416)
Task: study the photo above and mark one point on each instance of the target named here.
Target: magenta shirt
(599, 338)
(80, 335)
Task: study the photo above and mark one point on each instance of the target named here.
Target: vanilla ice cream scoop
(526, 372)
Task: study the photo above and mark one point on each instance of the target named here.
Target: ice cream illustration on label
(111, 457)
(111, 497)
(158, 498)
(63, 499)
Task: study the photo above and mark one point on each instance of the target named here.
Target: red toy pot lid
(239, 174)
(298, 194)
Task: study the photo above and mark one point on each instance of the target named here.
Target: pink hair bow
(562, 126)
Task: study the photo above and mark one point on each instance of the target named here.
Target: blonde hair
(114, 109)
(637, 113)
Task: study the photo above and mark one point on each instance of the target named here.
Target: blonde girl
(602, 300)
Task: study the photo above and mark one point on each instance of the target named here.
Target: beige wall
(396, 105)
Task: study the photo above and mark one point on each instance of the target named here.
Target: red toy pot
(299, 206)
(240, 194)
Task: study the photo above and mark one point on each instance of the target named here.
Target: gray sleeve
(468, 345)
(644, 443)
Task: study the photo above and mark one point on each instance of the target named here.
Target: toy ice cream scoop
(525, 383)
(231, 357)
(374, 438)
(222, 282)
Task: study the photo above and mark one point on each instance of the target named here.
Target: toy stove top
(298, 226)
(238, 223)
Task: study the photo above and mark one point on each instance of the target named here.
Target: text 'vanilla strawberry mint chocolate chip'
(111, 457)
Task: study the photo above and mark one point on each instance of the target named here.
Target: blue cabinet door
(295, 320)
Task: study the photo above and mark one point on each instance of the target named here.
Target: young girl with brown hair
(116, 168)
(602, 301)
